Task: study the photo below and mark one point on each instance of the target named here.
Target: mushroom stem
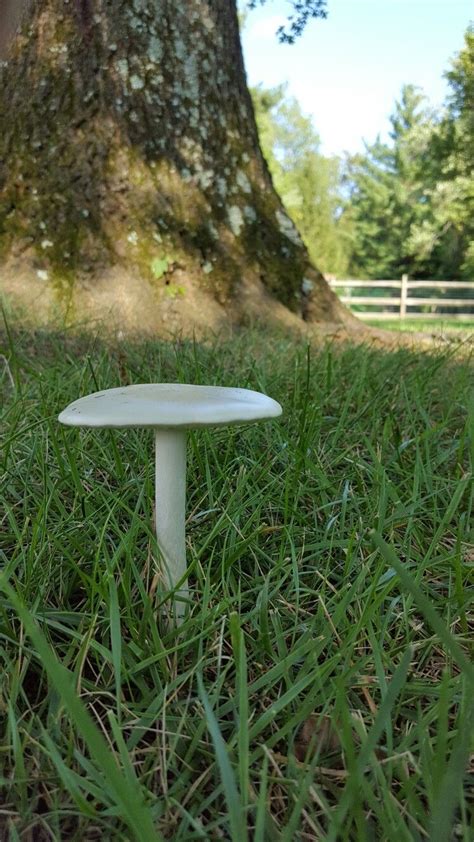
(170, 503)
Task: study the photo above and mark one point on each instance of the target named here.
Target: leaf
(173, 291)
(317, 735)
(159, 267)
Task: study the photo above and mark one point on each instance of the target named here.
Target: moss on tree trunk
(131, 173)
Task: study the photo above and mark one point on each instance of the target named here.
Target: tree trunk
(132, 186)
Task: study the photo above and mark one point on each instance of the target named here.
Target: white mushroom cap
(169, 405)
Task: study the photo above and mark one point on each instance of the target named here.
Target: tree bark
(132, 185)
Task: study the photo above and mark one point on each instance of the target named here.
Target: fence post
(403, 296)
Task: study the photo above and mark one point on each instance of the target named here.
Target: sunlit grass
(437, 326)
(321, 687)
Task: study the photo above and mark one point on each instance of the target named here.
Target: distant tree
(307, 181)
(446, 237)
(387, 193)
(461, 97)
(411, 201)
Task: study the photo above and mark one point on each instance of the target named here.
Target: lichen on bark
(128, 138)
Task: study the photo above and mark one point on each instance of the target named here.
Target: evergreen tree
(411, 200)
(446, 237)
(387, 193)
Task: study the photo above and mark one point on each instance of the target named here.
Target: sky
(348, 70)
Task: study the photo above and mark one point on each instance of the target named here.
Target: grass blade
(238, 645)
(431, 615)
(237, 818)
(129, 799)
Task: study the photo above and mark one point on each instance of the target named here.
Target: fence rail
(403, 301)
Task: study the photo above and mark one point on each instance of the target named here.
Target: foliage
(319, 689)
(402, 206)
(453, 194)
(303, 11)
(307, 182)
(411, 201)
(387, 197)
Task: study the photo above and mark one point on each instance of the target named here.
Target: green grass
(436, 326)
(321, 688)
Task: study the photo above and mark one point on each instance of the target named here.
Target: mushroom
(171, 409)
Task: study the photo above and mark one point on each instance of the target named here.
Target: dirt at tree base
(123, 305)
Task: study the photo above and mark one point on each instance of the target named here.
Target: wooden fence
(402, 301)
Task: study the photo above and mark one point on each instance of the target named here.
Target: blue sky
(348, 70)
